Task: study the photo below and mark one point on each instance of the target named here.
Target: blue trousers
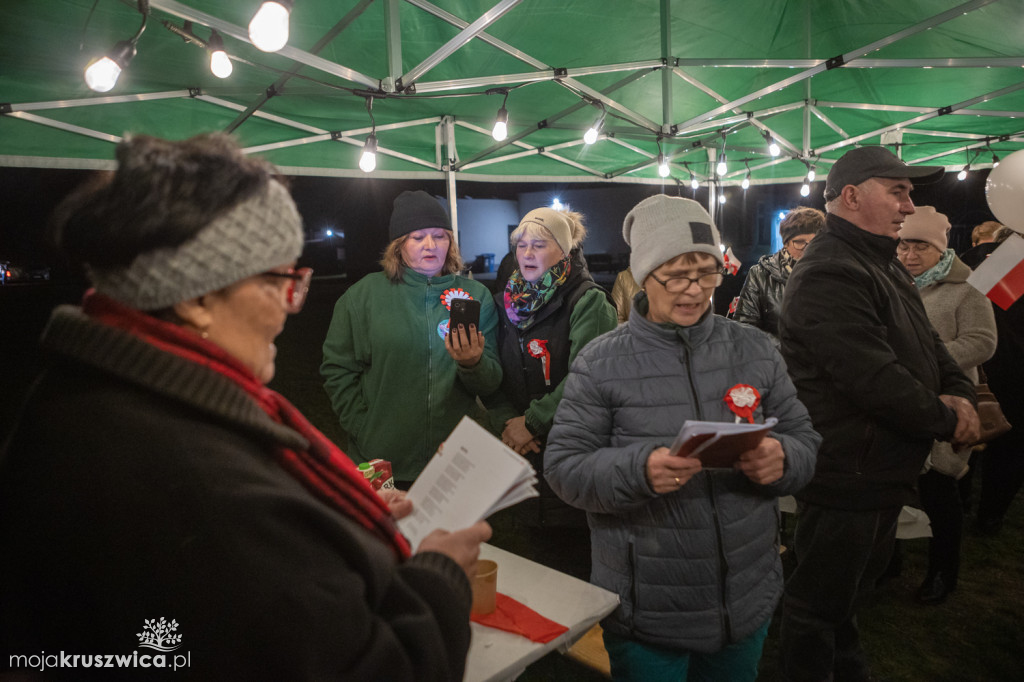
(840, 555)
(634, 661)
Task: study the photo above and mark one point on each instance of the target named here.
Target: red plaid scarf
(323, 469)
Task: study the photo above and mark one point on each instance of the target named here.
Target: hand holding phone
(464, 311)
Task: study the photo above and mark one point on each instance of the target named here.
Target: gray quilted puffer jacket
(698, 568)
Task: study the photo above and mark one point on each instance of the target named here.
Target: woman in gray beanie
(397, 379)
(761, 297)
(692, 552)
(156, 496)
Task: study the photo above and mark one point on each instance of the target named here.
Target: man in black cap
(880, 387)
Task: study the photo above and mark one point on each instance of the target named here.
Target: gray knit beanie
(416, 210)
(661, 227)
(262, 232)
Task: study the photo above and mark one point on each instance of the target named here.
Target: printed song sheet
(471, 476)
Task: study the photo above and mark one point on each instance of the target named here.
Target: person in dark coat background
(880, 387)
(761, 297)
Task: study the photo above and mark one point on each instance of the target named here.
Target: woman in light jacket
(963, 317)
(691, 552)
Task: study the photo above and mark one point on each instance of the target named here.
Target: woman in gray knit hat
(691, 550)
(156, 495)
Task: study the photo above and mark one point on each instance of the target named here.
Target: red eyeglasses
(297, 289)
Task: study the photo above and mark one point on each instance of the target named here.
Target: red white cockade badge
(538, 348)
(743, 400)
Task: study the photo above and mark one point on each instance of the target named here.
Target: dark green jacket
(394, 387)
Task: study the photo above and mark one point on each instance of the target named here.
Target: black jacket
(139, 485)
(869, 367)
(761, 296)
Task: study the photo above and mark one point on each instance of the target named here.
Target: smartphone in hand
(464, 311)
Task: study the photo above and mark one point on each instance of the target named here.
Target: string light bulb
(811, 174)
(500, 130)
(368, 159)
(746, 178)
(694, 183)
(722, 168)
(220, 63)
(962, 175)
(101, 74)
(268, 29)
(590, 137)
(773, 148)
(995, 160)
(805, 189)
(663, 169)
(721, 198)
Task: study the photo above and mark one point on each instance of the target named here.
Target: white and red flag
(1001, 275)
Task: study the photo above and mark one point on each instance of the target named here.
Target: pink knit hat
(927, 225)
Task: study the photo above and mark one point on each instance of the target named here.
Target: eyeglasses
(799, 244)
(677, 285)
(297, 288)
(916, 247)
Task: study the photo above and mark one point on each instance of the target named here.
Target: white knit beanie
(661, 227)
(556, 222)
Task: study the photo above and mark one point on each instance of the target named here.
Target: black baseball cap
(857, 165)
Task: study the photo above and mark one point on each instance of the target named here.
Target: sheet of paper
(471, 476)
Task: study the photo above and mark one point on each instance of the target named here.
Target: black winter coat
(761, 296)
(869, 367)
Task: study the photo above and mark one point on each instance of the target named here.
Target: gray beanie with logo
(661, 227)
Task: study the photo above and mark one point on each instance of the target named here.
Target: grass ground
(976, 636)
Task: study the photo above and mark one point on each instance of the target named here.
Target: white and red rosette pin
(538, 348)
(450, 294)
(743, 400)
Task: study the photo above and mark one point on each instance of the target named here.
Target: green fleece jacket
(394, 387)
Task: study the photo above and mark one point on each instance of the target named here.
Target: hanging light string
(368, 157)
(101, 74)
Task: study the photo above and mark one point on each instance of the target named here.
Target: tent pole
(393, 33)
(666, 73)
(451, 156)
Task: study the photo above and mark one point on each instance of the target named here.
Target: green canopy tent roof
(940, 79)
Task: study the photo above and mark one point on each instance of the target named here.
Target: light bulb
(721, 198)
(721, 168)
(805, 189)
(500, 130)
(101, 75)
(368, 159)
(810, 175)
(220, 64)
(773, 148)
(590, 137)
(694, 183)
(746, 182)
(268, 29)
(663, 169)
(329, 232)
(962, 175)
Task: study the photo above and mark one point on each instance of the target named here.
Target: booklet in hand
(471, 476)
(719, 444)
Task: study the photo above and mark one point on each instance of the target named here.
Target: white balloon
(1004, 191)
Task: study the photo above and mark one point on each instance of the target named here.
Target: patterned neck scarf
(323, 469)
(786, 260)
(523, 299)
(937, 272)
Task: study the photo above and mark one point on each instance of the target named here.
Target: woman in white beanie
(155, 494)
(963, 318)
(691, 552)
(550, 309)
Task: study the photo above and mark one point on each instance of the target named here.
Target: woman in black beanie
(398, 381)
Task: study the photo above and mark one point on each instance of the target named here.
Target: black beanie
(416, 211)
